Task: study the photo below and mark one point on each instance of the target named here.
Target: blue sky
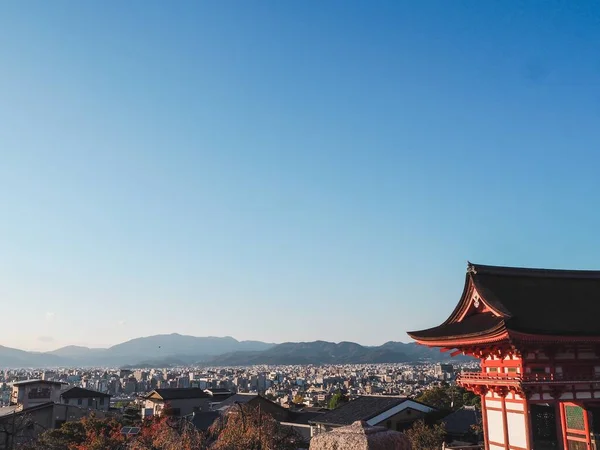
(286, 171)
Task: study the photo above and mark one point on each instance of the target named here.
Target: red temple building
(537, 334)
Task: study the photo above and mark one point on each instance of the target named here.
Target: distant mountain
(75, 351)
(321, 352)
(176, 349)
(170, 348)
(11, 357)
(177, 344)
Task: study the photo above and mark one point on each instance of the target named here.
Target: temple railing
(527, 378)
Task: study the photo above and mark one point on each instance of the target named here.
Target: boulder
(360, 436)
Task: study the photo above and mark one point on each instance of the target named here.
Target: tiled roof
(461, 421)
(180, 393)
(363, 408)
(78, 392)
(531, 301)
(23, 383)
(235, 399)
(474, 325)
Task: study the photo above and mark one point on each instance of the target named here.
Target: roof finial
(471, 268)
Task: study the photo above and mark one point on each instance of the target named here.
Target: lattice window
(576, 445)
(574, 416)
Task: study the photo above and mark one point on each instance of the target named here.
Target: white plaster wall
(493, 403)
(515, 406)
(517, 434)
(495, 426)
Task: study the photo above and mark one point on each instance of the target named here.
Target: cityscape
(299, 225)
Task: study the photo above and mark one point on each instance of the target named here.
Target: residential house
(180, 401)
(256, 401)
(464, 425)
(35, 392)
(19, 425)
(86, 398)
(394, 413)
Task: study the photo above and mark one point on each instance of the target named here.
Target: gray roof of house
(462, 420)
(363, 408)
(235, 399)
(180, 393)
(25, 382)
(78, 392)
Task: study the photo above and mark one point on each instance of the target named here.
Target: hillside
(170, 349)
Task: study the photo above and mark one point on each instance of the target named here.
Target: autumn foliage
(247, 428)
(243, 428)
(86, 434)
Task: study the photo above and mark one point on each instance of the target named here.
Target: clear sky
(283, 170)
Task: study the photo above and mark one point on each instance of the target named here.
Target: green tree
(337, 400)
(436, 396)
(445, 397)
(132, 416)
(424, 437)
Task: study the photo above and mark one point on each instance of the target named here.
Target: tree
(132, 415)
(159, 433)
(17, 428)
(436, 396)
(88, 433)
(423, 437)
(448, 397)
(168, 433)
(337, 400)
(247, 428)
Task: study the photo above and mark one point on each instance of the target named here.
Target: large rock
(360, 436)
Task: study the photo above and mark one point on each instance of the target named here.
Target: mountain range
(176, 349)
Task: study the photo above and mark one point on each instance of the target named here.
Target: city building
(537, 334)
(30, 393)
(86, 398)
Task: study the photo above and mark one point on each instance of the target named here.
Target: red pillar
(484, 421)
(505, 421)
(563, 425)
(527, 423)
(586, 424)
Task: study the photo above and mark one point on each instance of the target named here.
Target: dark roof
(461, 421)
(204, 419)
(218, 391)
(23, 383)
(363, 408)
(473, 325)
(533, 301)
(179, 393)
(78, 392)
(303, 417)
(562, 295)
(235, 399)
(8, 411)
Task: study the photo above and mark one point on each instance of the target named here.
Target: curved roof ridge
(531, 272)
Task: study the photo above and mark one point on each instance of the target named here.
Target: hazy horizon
(175, 333)
(286, 171)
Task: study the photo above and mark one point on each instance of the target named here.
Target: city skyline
(286, 171)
